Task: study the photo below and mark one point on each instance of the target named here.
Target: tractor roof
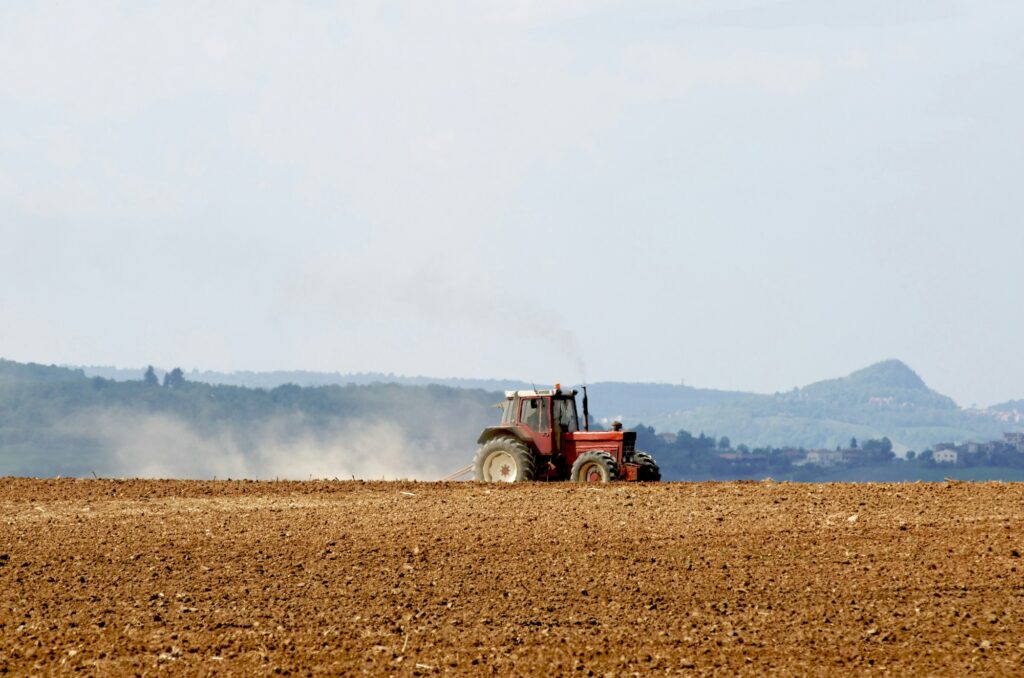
(540, 393)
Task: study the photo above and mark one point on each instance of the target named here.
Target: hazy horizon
(742, 194)
(137, 372)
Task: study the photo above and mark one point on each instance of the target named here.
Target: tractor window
(565, 415)
(534, 414)
(506, 411)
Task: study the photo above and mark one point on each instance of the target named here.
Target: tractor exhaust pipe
(586, 411)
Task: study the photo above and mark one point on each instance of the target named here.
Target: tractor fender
(493, 431)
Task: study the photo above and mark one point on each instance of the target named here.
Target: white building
(1015, 439)
(945, 456)
(824, 457)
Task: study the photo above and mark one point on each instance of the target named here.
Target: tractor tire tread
(603, 458)
(649, 469)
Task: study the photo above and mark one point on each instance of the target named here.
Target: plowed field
(147, 577)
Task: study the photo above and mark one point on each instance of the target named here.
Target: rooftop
(539, 393)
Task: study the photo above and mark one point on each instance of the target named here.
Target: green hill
(12, 372)
(1016, 406)
(890, 382)
(58, 421)
(611, 399)
(886, 399)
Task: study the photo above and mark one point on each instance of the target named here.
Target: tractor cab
(543, 428)
(541, 416)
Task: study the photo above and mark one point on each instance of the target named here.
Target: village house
(852, 455)
(794, 455)
(1015, 439)
(945, 456)
(824, 457)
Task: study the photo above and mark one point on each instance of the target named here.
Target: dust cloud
(158, 445)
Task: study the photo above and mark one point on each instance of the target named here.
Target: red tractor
(539, 439)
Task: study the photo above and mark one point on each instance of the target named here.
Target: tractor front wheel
(503, 460)
(649, 470)
(594, 467)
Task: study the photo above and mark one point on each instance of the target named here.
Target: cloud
(658, 72)
(781, 14)
(542, 11)
(427, 133)
(166, 168)
(81, 195)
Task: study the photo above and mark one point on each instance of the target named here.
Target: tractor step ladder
(465, 470)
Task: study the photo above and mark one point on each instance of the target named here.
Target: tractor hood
(628, 437)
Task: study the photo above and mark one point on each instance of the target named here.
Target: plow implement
(456, 475)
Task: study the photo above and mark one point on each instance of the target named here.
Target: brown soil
(145, 577)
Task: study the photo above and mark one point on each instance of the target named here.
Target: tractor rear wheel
(504, 460)
(594, 467)
(649, 470)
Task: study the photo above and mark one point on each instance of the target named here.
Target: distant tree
(874, 445)
(686, 441)
(743, 449)
(706, 443)
(853, 443)
(911, 454)
(174, 379)
(724, 443)
(878, 450)
(647, 438)
(149, 378)
(926, 455)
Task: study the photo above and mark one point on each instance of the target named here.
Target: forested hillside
(275, 378)
(634, 402)
(58, 421)
(886, 399)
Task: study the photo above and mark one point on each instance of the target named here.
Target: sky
(736, 194)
